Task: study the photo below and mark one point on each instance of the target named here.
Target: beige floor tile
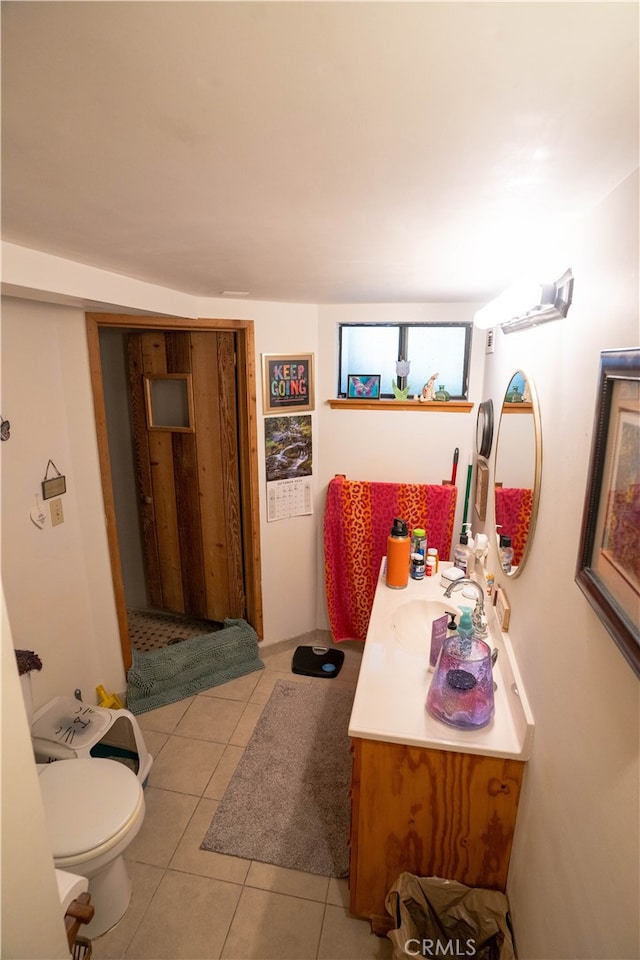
(185, 765)
(144, 880)
(246, 725)
(188, 919)
(154, 741)
(210, 718)
(223, 772)
(239, 689)
(191, 859)
(272, 926)
(309, 886)
(338, 892)
(166, 817)
(264, 689)
(345, 938)
(164, 719)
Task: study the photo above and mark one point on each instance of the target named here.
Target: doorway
(197, 473)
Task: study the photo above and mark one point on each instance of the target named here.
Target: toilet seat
(90, 805)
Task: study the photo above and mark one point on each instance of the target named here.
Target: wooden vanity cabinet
(431, 813)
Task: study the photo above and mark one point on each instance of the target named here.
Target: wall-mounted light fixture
(527, 305)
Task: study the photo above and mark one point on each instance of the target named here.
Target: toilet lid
(87, 802)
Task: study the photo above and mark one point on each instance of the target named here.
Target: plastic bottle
(430, 567)
(506, 553)
(471, 565)
(417, 566)
(465, 631)
(433, 553)
(419, 541)
(461, 555)
(398, 555)
(465, 627)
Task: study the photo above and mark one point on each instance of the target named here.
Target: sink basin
(412, 624)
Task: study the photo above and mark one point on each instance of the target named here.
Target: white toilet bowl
(93, 808)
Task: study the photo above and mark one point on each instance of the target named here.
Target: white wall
(574, 880)
(413, 446)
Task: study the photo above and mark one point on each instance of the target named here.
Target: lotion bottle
(461, 555)
(398, 555)
(506, 553)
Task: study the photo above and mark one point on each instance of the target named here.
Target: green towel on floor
(186, 668)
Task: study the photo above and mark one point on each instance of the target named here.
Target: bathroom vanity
(428, 798)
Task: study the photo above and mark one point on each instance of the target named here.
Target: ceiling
(329, 152)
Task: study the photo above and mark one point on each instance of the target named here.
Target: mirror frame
(537, 478)
(484, 429)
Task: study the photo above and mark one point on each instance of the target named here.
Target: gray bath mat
(288, 801)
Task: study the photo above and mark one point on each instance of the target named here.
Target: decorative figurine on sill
(402, 370)
(428, 391)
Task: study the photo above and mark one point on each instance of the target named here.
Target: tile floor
(189, 904)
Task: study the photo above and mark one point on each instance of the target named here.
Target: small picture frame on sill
(363, 386)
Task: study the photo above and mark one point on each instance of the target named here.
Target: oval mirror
(518, 468)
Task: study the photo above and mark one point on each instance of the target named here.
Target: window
(431, 348)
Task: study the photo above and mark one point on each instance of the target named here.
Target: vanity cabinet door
(430, 813)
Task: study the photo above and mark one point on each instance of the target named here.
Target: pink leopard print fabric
(357, 520)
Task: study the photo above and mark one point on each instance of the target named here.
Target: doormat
(288, 801)
(181, 670)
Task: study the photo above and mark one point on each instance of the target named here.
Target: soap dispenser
(461, 555)
(465, 627)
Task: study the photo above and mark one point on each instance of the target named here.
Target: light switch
(57, 515)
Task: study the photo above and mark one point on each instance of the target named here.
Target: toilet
(94, 807)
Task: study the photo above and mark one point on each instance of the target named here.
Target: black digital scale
(317, 662)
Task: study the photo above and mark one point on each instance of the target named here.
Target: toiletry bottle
(465, 627)
(461, 555)
(471, 564)
(506, 553)
(490, 583)
(430, 567)
(417, 566)
(398, 555)
(419, 541)
(433, 553)
(452, 627)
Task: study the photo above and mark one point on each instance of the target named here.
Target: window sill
(439, 406)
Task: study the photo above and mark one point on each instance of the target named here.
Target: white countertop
(390, 698)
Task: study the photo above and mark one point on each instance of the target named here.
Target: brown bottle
(398, 555)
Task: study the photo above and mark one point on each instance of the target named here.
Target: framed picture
(287, 382)
(482, 488)
(363, 386)
(608, 570)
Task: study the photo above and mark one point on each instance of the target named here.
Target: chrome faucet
(477, 618)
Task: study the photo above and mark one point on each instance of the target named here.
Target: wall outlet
(57, 516)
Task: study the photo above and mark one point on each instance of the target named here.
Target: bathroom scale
(317, 661)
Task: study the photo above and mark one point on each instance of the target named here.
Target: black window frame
(403, 339)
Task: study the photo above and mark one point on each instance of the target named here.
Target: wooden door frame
(247, 440)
